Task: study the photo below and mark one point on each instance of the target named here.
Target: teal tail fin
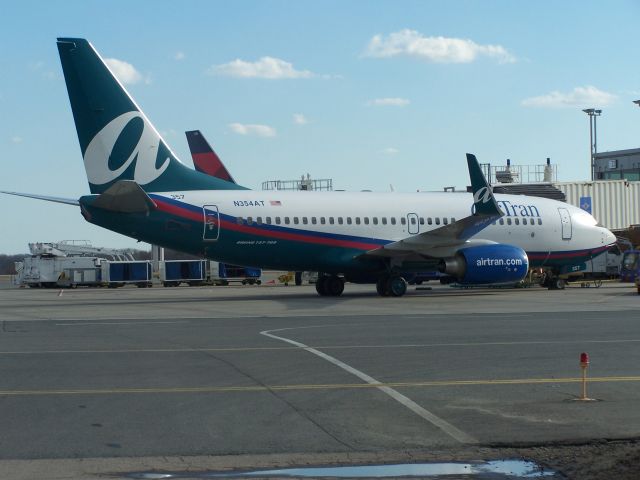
(117, 140)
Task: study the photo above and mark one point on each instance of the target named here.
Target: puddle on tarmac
(494, 470)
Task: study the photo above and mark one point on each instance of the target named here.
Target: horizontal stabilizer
(67, 201)
(125, 196)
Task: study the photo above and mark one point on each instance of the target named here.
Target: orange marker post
(584, 364)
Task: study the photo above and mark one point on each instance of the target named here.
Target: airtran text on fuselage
(515, 210)
(248, 203)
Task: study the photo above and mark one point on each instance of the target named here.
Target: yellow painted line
(336, 386)
(319, 347)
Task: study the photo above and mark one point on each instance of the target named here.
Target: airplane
(205, 160)
(139, 188)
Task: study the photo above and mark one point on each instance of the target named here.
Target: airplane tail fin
(204, 158)
(483, 199)
(117, 140)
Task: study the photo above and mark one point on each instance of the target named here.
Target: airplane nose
(607, 237)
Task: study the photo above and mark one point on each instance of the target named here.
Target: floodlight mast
(593, 137)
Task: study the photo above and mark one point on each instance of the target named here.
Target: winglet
(483, 199)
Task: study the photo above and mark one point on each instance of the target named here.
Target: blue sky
(369, 93)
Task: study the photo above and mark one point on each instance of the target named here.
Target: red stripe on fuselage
(263, 232)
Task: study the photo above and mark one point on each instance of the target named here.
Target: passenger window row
(343, 220)
(518, 221)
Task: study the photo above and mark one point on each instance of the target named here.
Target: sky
(367, 93)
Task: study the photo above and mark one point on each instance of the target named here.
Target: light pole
(593, 136)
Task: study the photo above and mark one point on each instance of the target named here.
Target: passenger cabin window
(437, 220)
(305, 220)
(517, 221)
(259, 220)
(445, 220)
(384, 220)
(330, 220)
(287, 221)
(366, 220)
(421, 220)
(314, 220)
(403, 220)
(375, 220)
(393, 220)
(339, 220)
(296, 220)
(508, 221)
(502, 221)
(277, 220)
(322, 220)
(357, 220)
(429, 220)
(249, 221)
(348, 220)
(413, 220)
(239, 220)
(539, 221)
(453, 220)
(267, 220)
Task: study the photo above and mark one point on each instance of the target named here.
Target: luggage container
(175, 272)
(119, 274)
(223, 274)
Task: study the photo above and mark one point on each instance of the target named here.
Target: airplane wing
(67, 201)
(440, 241)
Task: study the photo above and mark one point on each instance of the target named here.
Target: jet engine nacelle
(487, 264)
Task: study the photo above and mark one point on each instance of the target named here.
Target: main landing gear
(330, 285)
(391, 285)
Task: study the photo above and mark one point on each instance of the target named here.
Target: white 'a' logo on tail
(482, 195)
(96, 157)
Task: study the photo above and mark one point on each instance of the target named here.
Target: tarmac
(98, 382)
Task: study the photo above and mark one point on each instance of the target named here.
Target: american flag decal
(275, 203)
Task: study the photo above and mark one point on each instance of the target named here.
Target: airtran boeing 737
(140, 189)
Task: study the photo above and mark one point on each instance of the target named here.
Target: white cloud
(391, 151)
(588, 96)
(16, 139)
(253, 129)
(300, 119)
(411, 43)
(388, 102)
(179, 56)
(267, 67)
(125, 72)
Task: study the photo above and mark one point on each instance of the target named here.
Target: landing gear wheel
(321, 285)
(382, 286)
(397, 286)
(556, 283)
(334, 286)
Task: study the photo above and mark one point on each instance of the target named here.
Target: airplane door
(413, 223)
(565, 220)
(211, 223)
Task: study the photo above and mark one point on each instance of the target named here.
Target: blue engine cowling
(487, 264)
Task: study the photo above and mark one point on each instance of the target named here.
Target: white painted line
(91, 324)
(436, 421)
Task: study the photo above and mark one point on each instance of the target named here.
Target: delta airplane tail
(117, 140)
(205, 160)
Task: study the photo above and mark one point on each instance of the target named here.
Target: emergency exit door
(211, 223)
